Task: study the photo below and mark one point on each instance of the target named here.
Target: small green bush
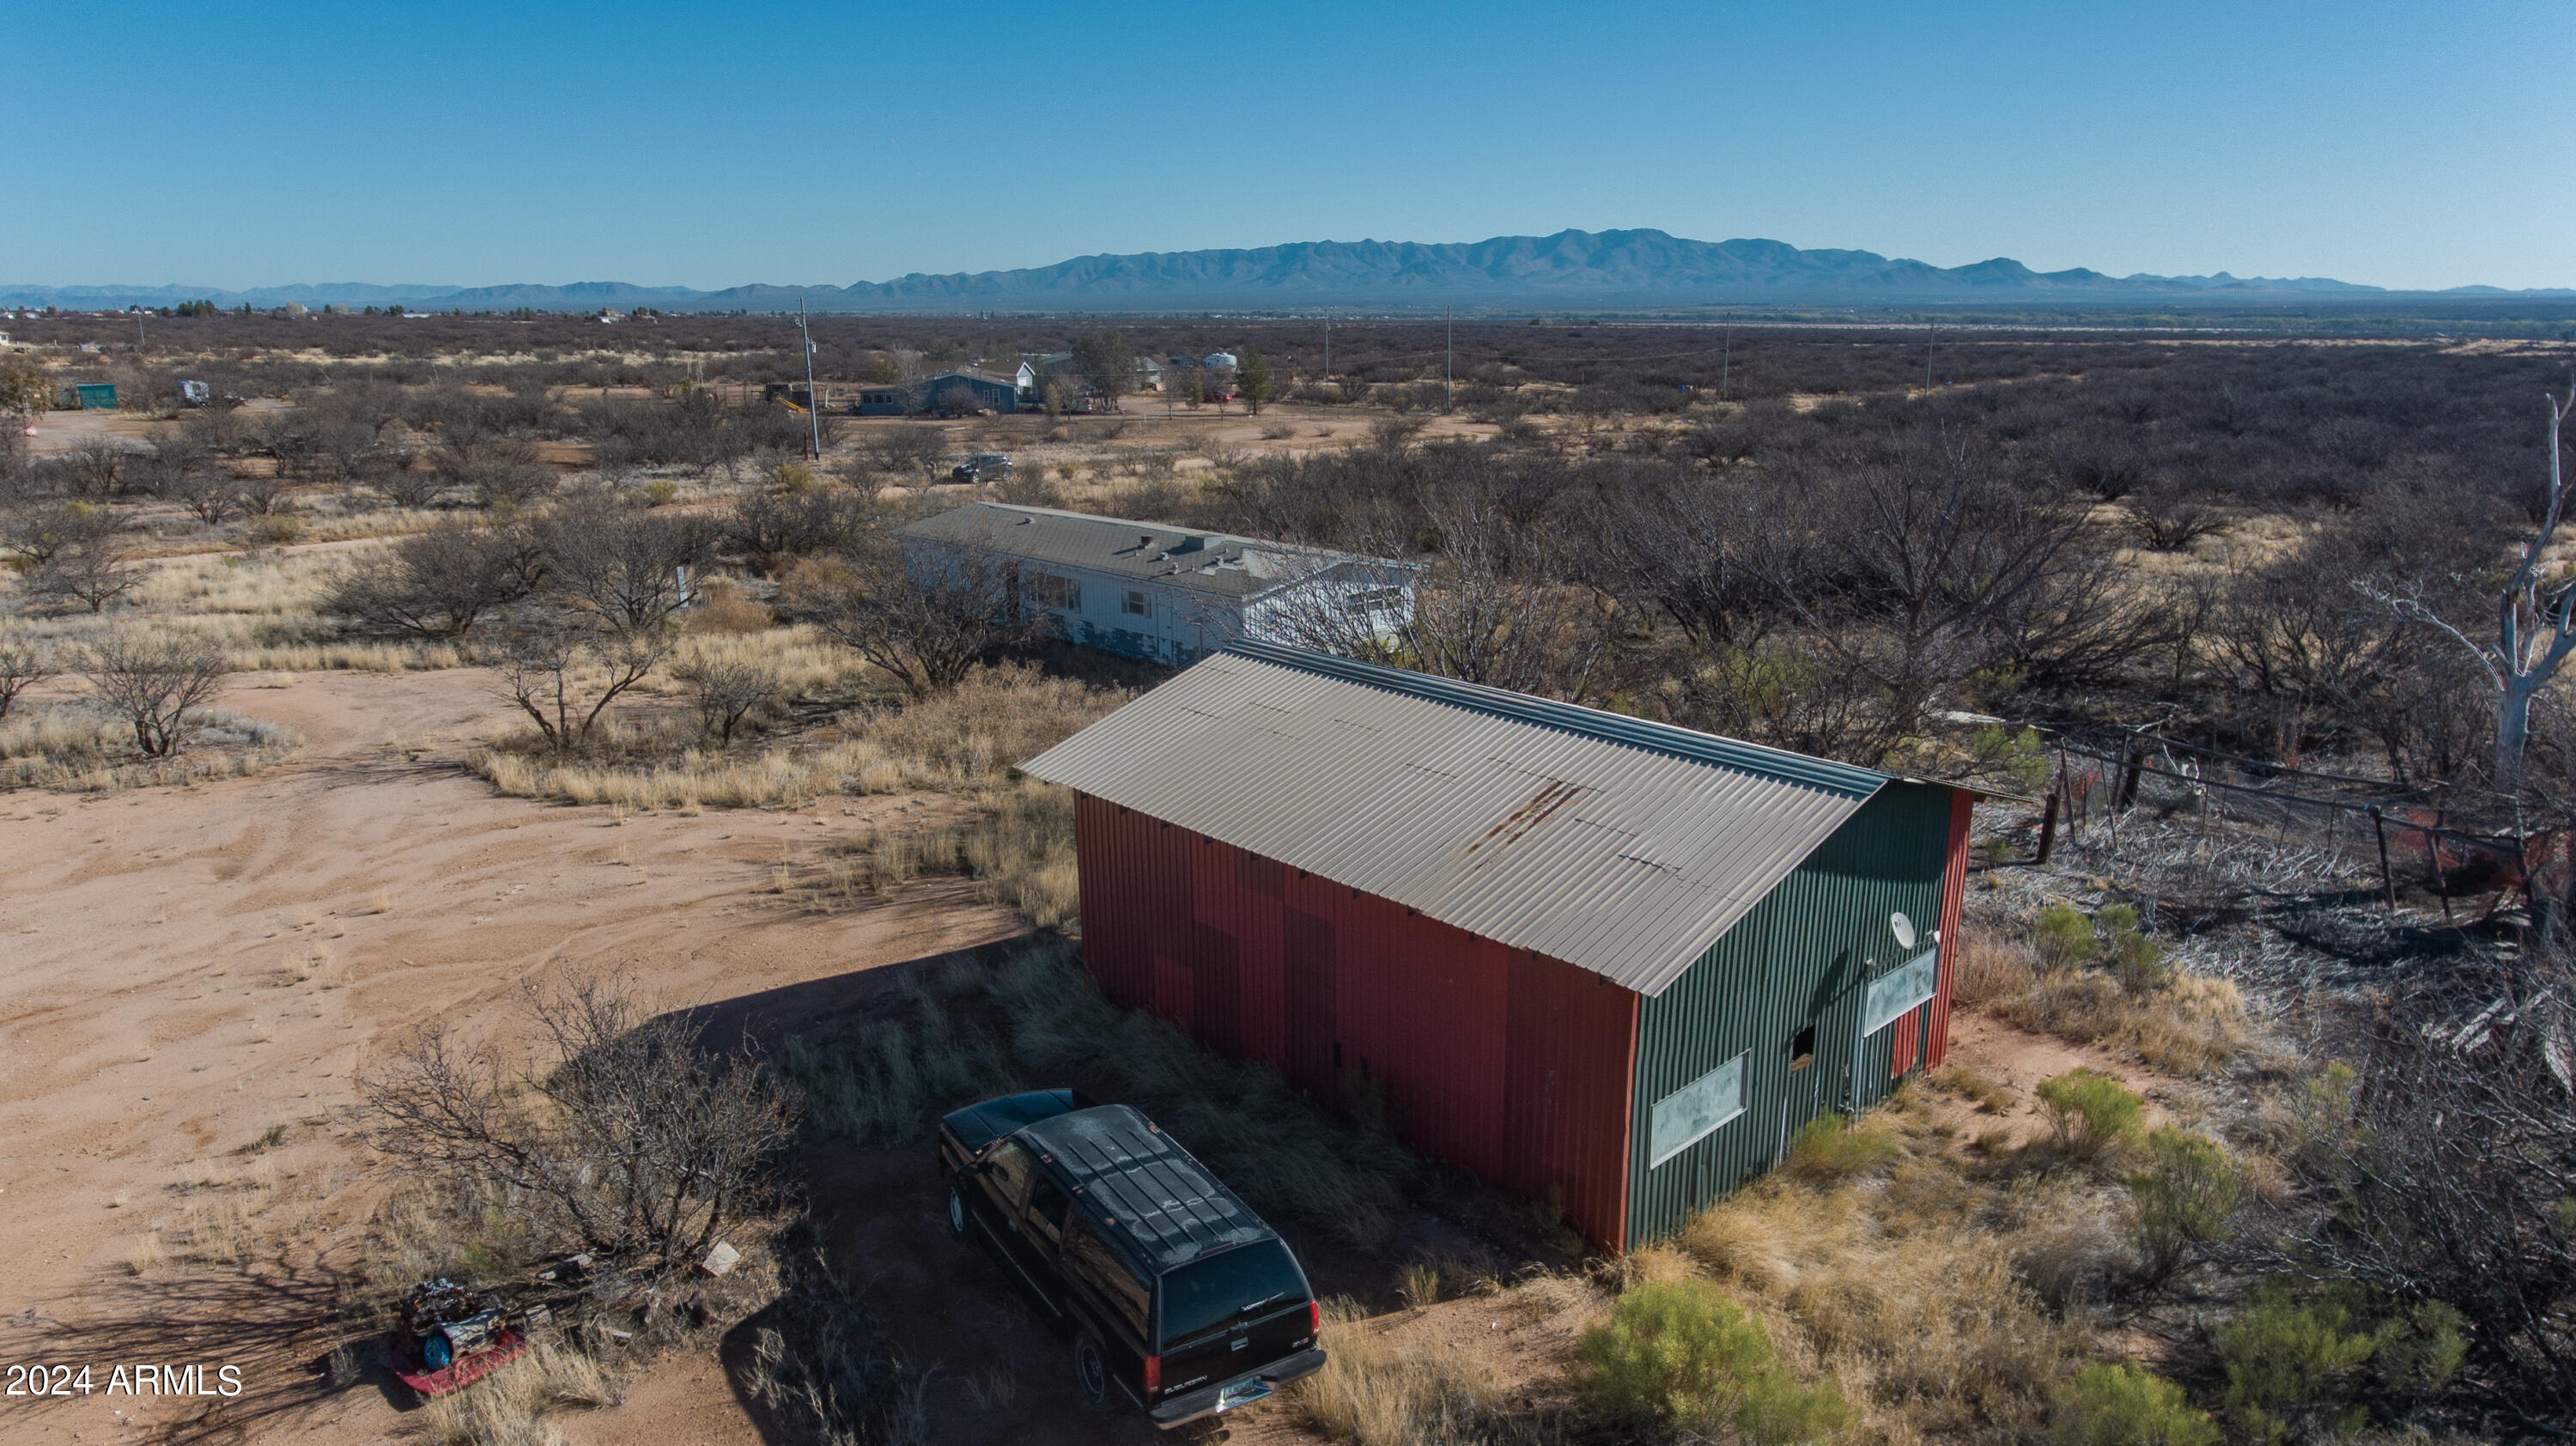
(2125, 1405)
(1680, 1354)
(1829, 1148)
(2090, 1114)
(2063, 936)
(2186, 1198)
(2022, 756)
(2298, 1364)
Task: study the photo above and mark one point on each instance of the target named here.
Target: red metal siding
(1954, 893)
(1509, 1065)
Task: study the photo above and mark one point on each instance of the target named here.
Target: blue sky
(2414, 145)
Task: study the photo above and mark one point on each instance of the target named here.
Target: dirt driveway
(187, 970)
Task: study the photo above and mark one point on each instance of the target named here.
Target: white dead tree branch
(2535, 619)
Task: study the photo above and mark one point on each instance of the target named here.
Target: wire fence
(2342, 828)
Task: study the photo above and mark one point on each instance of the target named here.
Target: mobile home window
(1134, 604)
(1057, 592)
(1690, 1114)
(1899, 990)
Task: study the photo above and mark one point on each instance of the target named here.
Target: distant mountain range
(1571, 269)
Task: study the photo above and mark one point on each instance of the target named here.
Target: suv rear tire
(1090, 1370)
(956, 1214)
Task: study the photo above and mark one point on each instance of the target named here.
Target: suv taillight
(1314, 1318)
(1153, 1376)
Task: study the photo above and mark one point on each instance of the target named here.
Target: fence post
(2133, 768)
(2387, 883)
(2048, 820)
(2433, 855)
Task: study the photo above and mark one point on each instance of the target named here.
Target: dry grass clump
(1918, 1282)
(964, 740)
(1017, 844)
(76, 749)
(509, 1406)
(975, 733)
(805, 663)
(1378, 1393)
(785, 776)
(2183, 1024)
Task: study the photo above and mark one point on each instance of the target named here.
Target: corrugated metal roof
(1212, 562)
(1621, 846)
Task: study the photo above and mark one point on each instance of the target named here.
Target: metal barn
(1603, 962)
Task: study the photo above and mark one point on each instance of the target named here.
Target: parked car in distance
(980, 466)
(1176, 1294)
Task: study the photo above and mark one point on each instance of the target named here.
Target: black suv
(1171, 1287)
(981, 466)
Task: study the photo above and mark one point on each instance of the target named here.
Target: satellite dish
(1903, 928)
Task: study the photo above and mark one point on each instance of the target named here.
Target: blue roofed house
(1170, 594)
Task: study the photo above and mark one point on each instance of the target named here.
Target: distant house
(1221, 361)
(992, 393)
(1023, 376)
(885, 401)
(1170, 594)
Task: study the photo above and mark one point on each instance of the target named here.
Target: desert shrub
(1377, 1394)
(2299, 1364)
(24, 662)
(2090, 1114)
(440, 582)
(1680, 1354)
(1830, 1146)
(615, 1133)
(726, 690)
(2126, 1405)
(2186, 1198)
(2062, 935)
(770, 525)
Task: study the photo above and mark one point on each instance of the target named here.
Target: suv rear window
(1207, 1293)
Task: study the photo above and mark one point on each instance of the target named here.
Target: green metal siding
(97, 396)
(1804, 955)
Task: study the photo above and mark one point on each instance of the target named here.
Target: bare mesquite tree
(75, 553)
(154, 681)
(727, 691)
(617, 1132)
(2535, 618)
(913, 454)
(925, 632)
(439, 583)
(618, 562)
(24, 662)
(563, 670)
(1496, 604)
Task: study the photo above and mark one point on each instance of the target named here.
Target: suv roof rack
(1150, 1192)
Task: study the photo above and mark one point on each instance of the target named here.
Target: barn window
(1690, 1114)
(1899, 990)
(1134, 604)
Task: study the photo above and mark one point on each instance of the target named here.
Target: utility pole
(1449, 364)
(1328, 348)
(1726, 362)
(813, 400)
(1933, 340)
(138, 331)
